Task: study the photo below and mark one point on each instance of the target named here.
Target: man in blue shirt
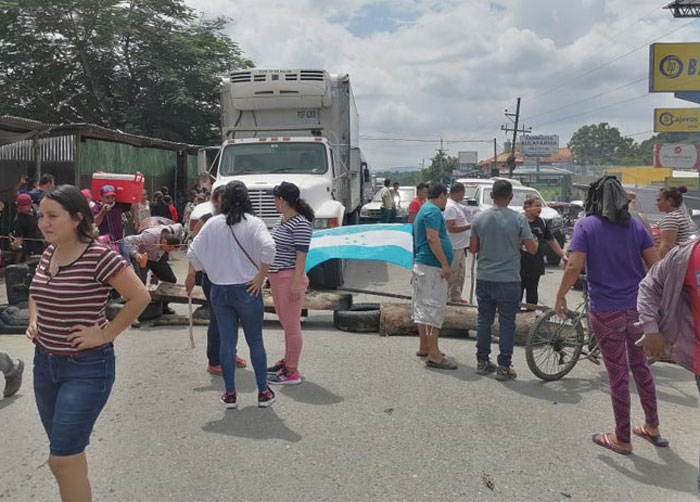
(431, 269)
(497, 234)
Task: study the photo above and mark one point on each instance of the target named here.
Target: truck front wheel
(329, 274)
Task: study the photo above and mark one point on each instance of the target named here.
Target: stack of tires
(14, 317)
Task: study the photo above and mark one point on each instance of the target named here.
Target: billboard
(676, 119)
(467, 158)
(674, 67)
(539, 145)
(677, 156)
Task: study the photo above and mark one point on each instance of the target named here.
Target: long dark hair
(674, 194)
(302, 207)
(72, 200)
(235, 202)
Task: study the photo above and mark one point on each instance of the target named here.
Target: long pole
(495, 154)
(515, 134)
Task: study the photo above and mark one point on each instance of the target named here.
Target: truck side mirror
(365, 173)
(472, 202)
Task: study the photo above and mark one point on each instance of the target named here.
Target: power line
(642, 79)
(608, 63)
(594, 110)
(415, 140)
(617, 35)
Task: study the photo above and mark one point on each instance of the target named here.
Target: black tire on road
(360, 318)
(13, 320)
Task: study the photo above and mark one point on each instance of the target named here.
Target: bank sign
(677, 156)
(540, 145)
(674, 67)
(676, 119)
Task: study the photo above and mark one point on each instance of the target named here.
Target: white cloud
(426, 69)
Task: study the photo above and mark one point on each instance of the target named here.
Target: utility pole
(441, 159)
(495, 156)
(515, 118)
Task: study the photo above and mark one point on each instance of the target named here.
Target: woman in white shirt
(236, 250)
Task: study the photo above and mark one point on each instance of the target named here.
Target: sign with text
(540, 145)
(676, 119)
(674, 67)
(677, 156)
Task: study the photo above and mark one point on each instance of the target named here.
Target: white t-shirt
(455, 211)
(215, 251)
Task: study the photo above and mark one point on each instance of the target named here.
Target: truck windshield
(266, 158)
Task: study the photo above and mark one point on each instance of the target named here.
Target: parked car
(371, 212)
(480, 199)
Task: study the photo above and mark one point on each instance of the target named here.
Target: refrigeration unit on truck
(299, 126)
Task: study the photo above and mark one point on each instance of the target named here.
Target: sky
(430, 69)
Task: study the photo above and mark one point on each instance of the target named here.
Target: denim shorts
(70, 393)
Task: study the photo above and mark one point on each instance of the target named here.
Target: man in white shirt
(458, 230)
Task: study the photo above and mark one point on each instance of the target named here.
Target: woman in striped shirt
(675, 226)
(74, 355)
(288, 280)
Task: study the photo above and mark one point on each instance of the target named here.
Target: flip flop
(605, 441)
(442, 365)
(418, 354)
(655, 440)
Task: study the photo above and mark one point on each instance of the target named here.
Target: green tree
(600, 144)
(440, 169)
(149, 67)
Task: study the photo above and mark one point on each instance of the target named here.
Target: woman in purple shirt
(615, 249)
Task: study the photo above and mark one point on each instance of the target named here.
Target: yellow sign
(676, 119)
(674, 67)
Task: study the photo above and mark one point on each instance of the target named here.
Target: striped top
(290, 236)
(678, 221)
(77, 294)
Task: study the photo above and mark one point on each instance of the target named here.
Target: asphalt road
(369, 422)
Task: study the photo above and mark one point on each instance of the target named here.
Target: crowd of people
(638, 307)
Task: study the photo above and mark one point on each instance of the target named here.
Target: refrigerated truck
(300, 126)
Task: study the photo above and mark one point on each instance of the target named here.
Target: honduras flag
(388, 242)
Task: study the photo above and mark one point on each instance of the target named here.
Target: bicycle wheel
(554, 345)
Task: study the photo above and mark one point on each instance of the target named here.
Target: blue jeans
(504, 297)
(213, 341)
(70, 393)
(385, 215)
(233, 305)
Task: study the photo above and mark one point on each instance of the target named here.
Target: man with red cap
(109, 217)
(27, 236)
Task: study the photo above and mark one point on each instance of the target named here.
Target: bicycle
(554, 345)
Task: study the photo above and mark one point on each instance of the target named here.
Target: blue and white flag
(389, 242)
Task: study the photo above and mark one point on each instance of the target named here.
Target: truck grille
(264, 204)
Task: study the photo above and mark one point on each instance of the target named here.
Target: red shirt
(415, 205)
(77, 294)
(173, 212)
(692, 287)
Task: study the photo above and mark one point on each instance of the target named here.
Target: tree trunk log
(396, 319)
(315, 300)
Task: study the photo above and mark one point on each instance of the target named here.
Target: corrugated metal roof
(13, 129)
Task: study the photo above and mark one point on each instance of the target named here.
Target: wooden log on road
(315, 300)
(395, 319)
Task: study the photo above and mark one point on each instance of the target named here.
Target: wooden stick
(189, 305)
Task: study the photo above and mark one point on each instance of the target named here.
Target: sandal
(420, 354)
(605, 441)
(655, 440)
(442, 365)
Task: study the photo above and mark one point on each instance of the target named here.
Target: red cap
(24, 201)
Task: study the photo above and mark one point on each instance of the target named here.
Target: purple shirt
(614, 265)
(112, 223)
